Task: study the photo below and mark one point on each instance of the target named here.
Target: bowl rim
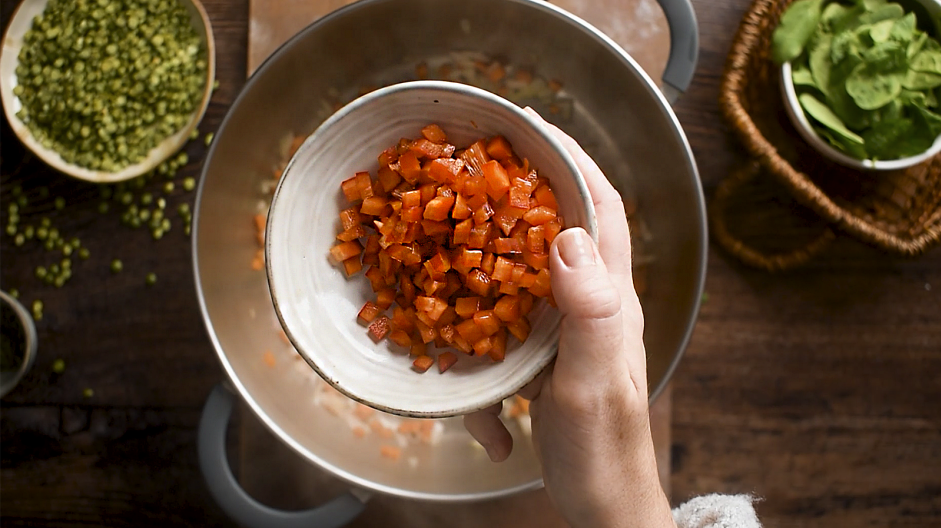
(541, 360)
(802, 123)
(29, 334)
(169, 146)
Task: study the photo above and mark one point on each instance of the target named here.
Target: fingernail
(576, 248)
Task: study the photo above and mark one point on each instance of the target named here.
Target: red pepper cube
(369, 312)
(498, 181)
(466, 307)
(507, 308)
(388, 178)
(432, 228)
(402, 320)
(412, 214)
(350, 190)
(475, 156)
(545, 196)
(374, 274)
(409, 167)
(498, 351)
(349, 218)
(478, 282)
(364, 185)
(520, 329)
(502, 270)
(507, 246)
(388, 156)
(539, 215)
(385, 298)
(469, 331)
(411, 198)
(461, 344)
(418, 349)
(536, 260)
(543, 284)
(345, 250)
(434, 133)
(462, 232)
(499, 148)
(357, 231)
(446, 360)
(483, 346)
(447, 332)
(374, 206)
(461, 210)
(508, 288)
(487, 321)
(536, 239)
(379, 328)
(553, 228)
(426, 149)
(352, 266)
(444, 170)
(479, 236)
(527, 301)
(427, 333)
(439, 208)
(423, 363)
(483, 213)
(488, 264)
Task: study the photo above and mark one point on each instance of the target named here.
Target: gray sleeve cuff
(717, 511)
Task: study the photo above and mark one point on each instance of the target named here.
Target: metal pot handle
(243, 509)
(684, 47)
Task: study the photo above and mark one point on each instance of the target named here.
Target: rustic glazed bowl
(318, 305)
(21, 22)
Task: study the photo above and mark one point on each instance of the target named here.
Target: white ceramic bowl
(318, 305)
(801, 122)
(21, 22)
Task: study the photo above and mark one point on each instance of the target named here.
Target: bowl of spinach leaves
(861, 79)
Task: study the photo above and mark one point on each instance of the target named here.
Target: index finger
(614, 238)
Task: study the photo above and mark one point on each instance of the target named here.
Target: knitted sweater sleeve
(717, 511)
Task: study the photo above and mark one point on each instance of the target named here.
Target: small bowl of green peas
(105, 91)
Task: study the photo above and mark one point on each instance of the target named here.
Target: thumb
(592, 332)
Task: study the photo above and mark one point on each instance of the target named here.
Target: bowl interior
(318, 305)
(21, 22)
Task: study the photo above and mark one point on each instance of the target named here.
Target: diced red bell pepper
(446, 360)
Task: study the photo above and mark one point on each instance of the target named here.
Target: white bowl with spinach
(861, 79)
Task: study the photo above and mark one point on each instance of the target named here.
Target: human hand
(591, 428)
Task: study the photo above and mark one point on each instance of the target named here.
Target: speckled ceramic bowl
(318, 305)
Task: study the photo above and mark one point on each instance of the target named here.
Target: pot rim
(354, 480)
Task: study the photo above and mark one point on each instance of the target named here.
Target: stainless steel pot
(617, 113)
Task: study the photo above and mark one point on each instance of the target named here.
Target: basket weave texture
(897, 211)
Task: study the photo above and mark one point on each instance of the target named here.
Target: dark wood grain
(126, 456)
(817, 390)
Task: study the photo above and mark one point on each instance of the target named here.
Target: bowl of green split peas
(106, 90)
(861, 79)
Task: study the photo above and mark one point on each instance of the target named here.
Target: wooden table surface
(817, 390)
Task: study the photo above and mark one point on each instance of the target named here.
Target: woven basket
(897, 211)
